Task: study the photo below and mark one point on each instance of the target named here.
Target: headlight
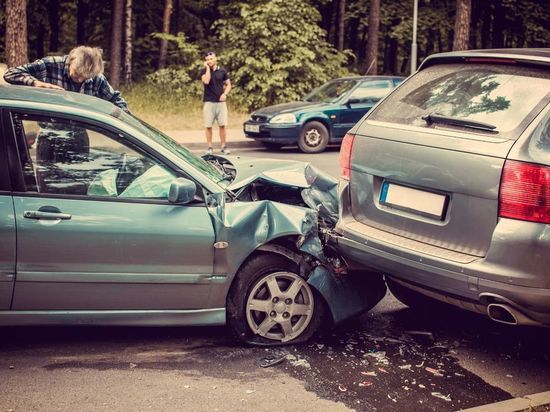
(284, 118)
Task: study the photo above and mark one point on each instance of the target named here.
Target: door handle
(36, 214)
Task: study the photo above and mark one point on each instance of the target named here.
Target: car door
(7, 230)
(360, 101)
(95, 230)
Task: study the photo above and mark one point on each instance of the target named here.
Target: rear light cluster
(344, 159)
(525, 192)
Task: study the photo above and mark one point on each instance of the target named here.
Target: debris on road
(434, 372)
(441, 396)
(269, 361)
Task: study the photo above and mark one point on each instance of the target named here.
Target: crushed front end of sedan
(287, 209)
(105, 220)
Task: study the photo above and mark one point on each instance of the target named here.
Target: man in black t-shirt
(216, 88)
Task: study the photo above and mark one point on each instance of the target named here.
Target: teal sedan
(323, 116)
(104, 220)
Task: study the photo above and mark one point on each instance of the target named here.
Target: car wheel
(272, 146)
(412, 298)
(313, 137)
(270, 304)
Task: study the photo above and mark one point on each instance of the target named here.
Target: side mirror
(182, 191)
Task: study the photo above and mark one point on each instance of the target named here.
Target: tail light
(525, 192)
(345, 155)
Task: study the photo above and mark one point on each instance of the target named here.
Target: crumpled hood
(282, 172)
(319, 190)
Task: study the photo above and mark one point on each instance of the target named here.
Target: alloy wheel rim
(313, 137)
(280, 306)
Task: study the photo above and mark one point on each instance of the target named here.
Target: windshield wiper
(457, 121)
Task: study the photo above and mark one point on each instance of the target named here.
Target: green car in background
(324, 116)
(106, 221)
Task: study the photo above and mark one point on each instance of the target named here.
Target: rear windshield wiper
(457, 121)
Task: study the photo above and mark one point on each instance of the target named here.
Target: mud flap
(348, 295)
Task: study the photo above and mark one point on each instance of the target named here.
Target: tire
(313, 137)
(413, 299)
(272, 146)
(265, 281)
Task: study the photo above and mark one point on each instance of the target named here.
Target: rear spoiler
(537, 59)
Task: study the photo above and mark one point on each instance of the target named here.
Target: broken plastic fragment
(269, 361)
(441, 396)
(342, 388)
(434, 372)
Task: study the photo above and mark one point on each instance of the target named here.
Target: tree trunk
(81, 14)
(40, 36)
(331, 32)
(498, 25)
(462, 25)
(53, 15)
(341, 19)
(128, 42)
(372, 43)
(16, 32)
(116, 41)
(166, 30)
(177, 14)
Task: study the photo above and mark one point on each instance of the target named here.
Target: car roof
(71, 100)
(536, 57)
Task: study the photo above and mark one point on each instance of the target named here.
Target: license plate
(254, 128)
(423, 203)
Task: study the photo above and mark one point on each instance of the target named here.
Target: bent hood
(319, 190)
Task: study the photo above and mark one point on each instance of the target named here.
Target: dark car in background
(322, 117)
(445, 185)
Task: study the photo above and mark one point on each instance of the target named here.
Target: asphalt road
(392, 358)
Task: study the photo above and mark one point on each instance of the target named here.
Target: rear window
(500, 95)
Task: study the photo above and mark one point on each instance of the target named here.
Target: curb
(239, 144)
(524, 403)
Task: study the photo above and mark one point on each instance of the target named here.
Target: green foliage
(276, 52)
(180, 76)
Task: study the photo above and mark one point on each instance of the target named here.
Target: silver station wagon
(446, 185)
(106, 221)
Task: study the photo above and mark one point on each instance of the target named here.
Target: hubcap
(286, 317)
(313, 138)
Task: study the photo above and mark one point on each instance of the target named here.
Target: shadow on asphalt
(388, 359)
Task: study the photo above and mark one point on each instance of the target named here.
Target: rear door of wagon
(427, 162)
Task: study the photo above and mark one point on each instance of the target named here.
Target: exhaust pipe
(503, 313)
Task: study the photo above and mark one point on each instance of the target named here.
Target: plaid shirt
(55, 70)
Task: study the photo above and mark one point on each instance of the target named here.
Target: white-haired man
(80, 71)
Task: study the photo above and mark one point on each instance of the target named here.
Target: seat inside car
(58, 151)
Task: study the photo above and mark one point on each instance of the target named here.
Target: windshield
(331, 91)
(500, 95)
(197, 162)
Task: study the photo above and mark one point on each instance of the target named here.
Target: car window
(500, 95)
(331, 91)
(69, 158)
(371, 91)
(190, 158)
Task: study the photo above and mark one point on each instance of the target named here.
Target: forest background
(274, 50)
